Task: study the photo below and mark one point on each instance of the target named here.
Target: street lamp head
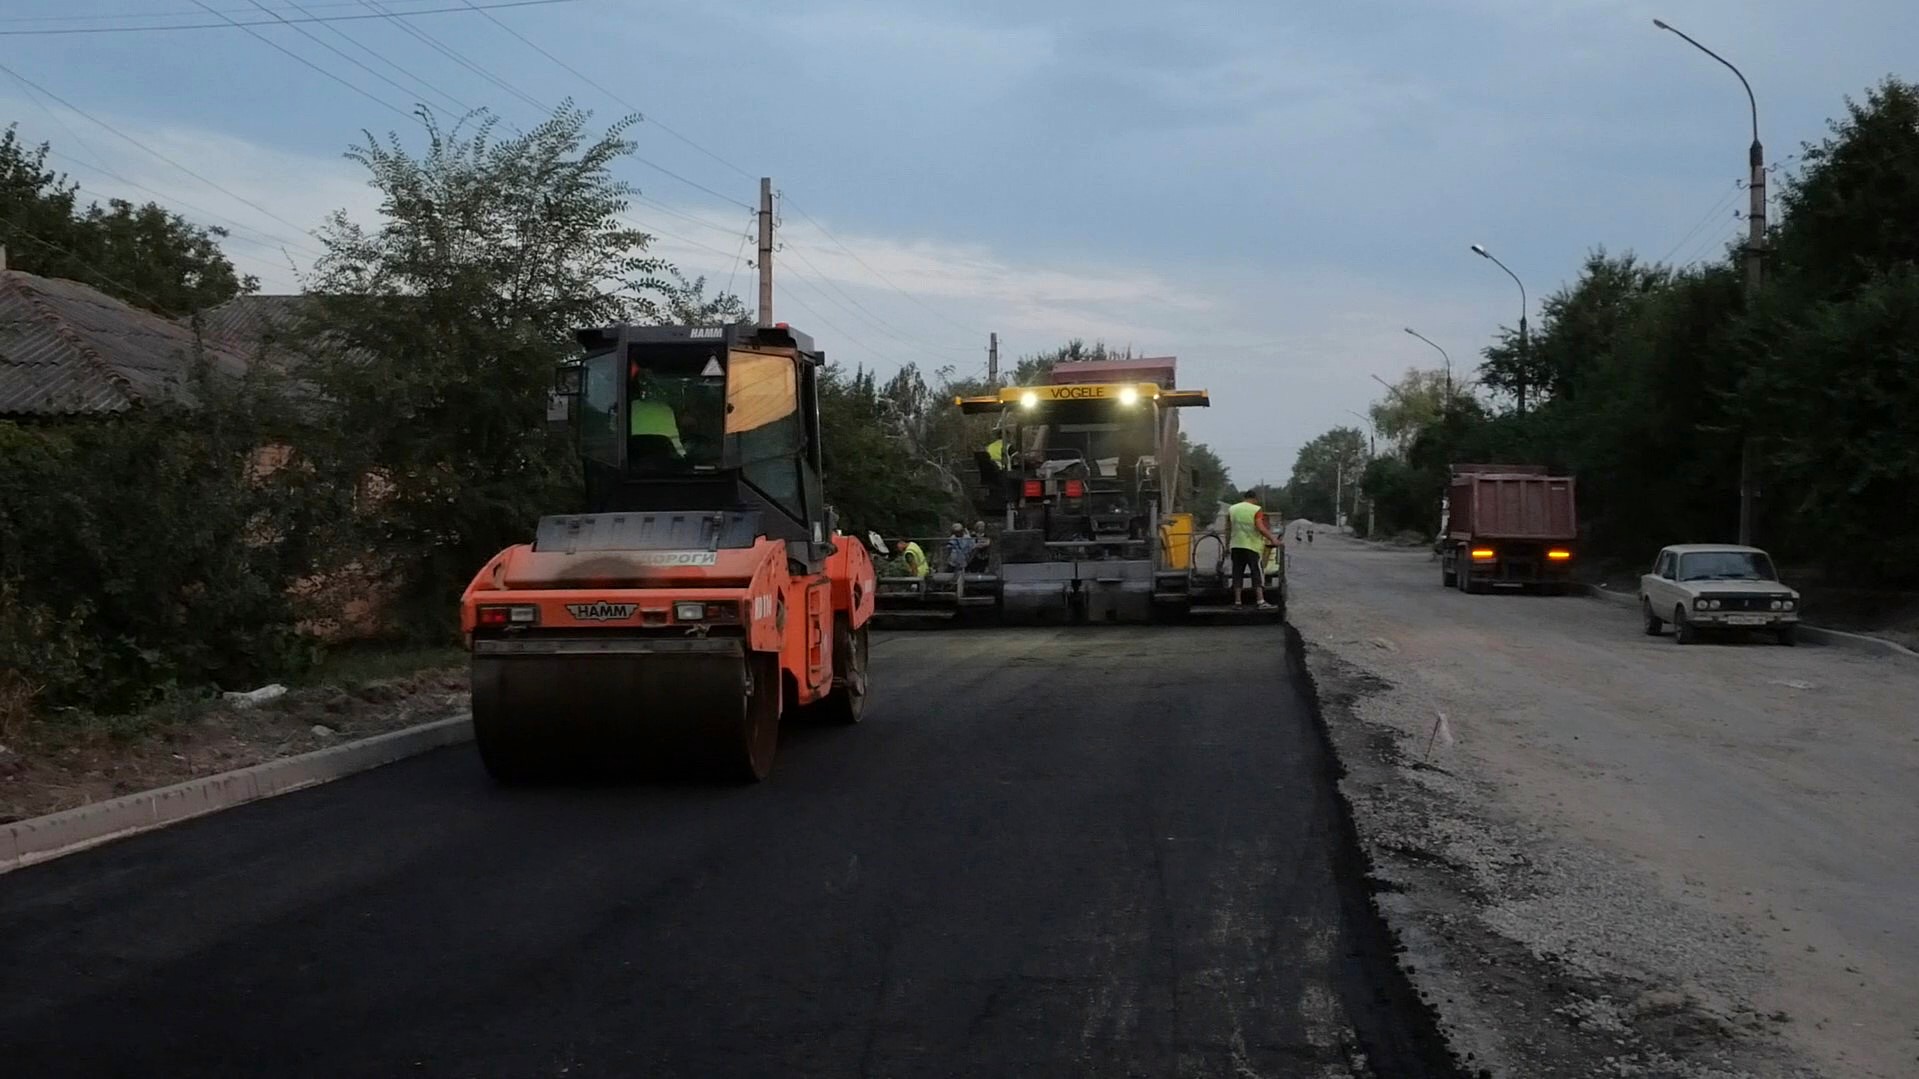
(1661, 23)
(1409, 329)
(1480, 250)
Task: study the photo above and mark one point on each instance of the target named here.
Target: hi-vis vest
(655, 418)
(1245, 518)
(915, 559)
(996, 449)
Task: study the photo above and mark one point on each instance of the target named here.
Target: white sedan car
(1700, 586)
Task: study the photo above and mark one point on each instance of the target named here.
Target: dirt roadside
(61, 764)
(1624, 857)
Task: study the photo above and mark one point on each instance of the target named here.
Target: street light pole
(1525, 345)
(1372, 450)
(1755, 256)
(1449, 364)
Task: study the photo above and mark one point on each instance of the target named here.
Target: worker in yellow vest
(911, 554)
(1250, 535)
(648, 416)
(996, 449)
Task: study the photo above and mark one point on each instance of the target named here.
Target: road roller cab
(703, 595)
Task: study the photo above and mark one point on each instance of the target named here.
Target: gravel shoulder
(1620, 856)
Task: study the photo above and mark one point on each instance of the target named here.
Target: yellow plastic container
(1176, 540)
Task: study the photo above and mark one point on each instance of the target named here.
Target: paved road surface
(1753, 804)
(1112, 852)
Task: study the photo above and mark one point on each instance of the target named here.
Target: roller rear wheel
(851, 649)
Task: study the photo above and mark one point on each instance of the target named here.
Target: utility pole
(1339, 490)
(1755, 258)
(765, 261)
(992, 360)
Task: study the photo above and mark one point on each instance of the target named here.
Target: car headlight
(1789, 605)
(1776, 605)
(689, 612)
(1699, 604)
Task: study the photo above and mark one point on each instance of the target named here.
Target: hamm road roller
(704, 595)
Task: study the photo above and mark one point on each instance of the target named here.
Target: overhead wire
(739, 256)
(434, 43)
(17, 77)
(861, 310)
(232, 23)
(335, 50)
(83, 261)
(368, 94)
(888, 281)
(616, 98)
(645, 117)
(1730, 194)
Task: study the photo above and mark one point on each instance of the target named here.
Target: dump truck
(1082, 509)
(1507, 526)
(705, 593)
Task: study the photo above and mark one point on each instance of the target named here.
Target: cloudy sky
(1269, 190)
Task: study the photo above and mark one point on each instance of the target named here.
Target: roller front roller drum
(626, 708)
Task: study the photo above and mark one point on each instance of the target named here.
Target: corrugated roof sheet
(67, 350)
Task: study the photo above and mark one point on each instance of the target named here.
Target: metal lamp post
(1449, 364)
(1525, 346)
(1755, 256)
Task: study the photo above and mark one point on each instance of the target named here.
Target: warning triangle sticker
(712, 369)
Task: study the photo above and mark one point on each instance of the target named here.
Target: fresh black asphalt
(1046, 852)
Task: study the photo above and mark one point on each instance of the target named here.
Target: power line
(108, 16)
(82, 260)
(335, 50)
(489, 76)
(231, 23)
(616, 98)
(370, 51)
(889, 283)
(739, 256)
(1730, 194)
(444, 50)
(71, 107)
(369, 95)
(99, 165)
(861, 309)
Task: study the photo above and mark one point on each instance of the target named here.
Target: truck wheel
(1446, 575)
(1788, 635)
(1654, 626)
(1683, 631)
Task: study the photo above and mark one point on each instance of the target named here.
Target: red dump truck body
(1510, 526)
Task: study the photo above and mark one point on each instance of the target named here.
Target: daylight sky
(1268, 190)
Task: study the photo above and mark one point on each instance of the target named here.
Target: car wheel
(1654, 624)
(1682, 628)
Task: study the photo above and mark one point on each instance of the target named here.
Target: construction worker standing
(1250, 537)
(996, 449)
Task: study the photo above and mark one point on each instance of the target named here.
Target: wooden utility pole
(765, 261)
(992, 360)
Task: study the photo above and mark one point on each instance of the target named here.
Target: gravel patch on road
(1562, 855)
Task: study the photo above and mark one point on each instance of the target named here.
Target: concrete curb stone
(1858, 642)
(27, 842)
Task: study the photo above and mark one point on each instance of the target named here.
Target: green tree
(444, 324)
(1329, 466)
(144, 255)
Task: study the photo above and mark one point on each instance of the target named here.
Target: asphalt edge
(1421, 1048)
(1837, 638)
(41, 839)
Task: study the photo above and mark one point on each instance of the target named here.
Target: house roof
(67, 350)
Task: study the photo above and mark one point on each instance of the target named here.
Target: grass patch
(359, 664)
